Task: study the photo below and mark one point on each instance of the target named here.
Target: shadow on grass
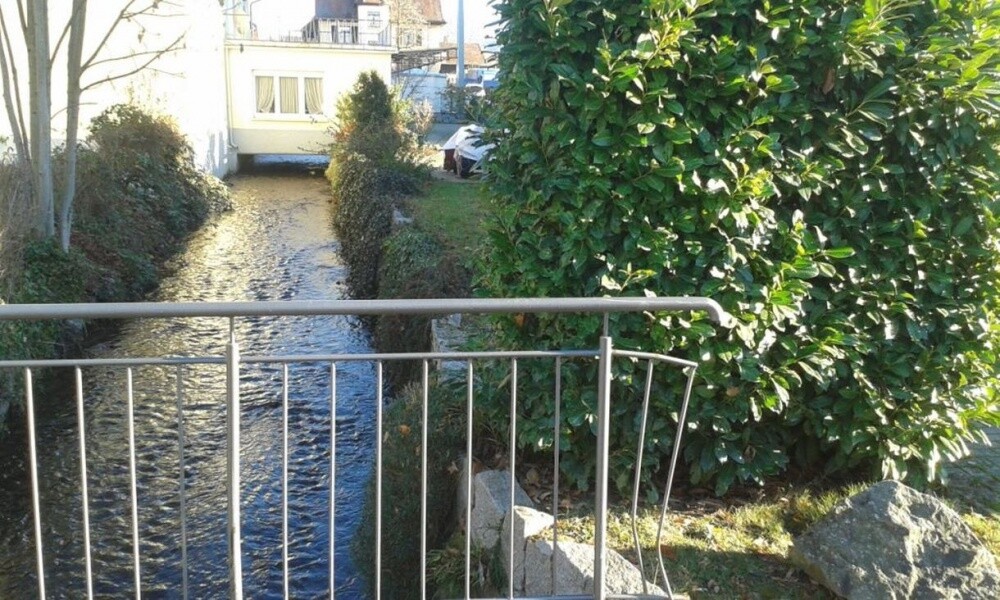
(708, 573)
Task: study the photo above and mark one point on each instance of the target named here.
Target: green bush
(401, 486)
(372, 165)
(138, 196)
(826, 170)
(413, 266)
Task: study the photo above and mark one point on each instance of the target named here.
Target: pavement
(976, 479)
(440, 132)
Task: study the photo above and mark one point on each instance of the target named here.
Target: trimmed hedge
(827, 170)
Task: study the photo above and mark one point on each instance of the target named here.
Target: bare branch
(122, 16)
(10, 101)
(62, 37)
(16, 98)
(173, 47)
(114, 59)
(24, 18)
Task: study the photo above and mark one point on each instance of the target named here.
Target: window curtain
(289, 95)
(314, 96)
(265, 94)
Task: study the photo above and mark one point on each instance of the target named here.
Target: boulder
(892, 542)
(574, 571)
(528, 523)
(447, 335)
(490, 504)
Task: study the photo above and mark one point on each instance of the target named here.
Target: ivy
(826, 170)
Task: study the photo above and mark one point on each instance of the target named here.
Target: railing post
(601, 485)
(233, 464)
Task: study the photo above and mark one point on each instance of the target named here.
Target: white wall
(419, 85)
(185, 84)
(255, 133)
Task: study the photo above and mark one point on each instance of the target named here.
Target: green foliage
(413, 266)
(362, 219)
(465, 105)
(826, 170)
(371, 167)
(369, 103)
(138, 196)
(401, 487)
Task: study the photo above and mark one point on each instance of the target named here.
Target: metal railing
(233, 360)
(333, 32)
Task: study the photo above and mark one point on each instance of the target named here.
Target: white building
(283, 91)
(230, 91)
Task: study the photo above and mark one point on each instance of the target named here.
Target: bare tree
(408, 20)
(36, 35)
(34, 146)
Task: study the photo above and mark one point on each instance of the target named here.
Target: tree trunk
(12, 94)
(74, 68)
(40, 78)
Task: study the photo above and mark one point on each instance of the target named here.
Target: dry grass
(736, 549)
(15, 212)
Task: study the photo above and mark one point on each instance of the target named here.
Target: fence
(234, 361)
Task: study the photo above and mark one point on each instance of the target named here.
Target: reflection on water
(275, 245)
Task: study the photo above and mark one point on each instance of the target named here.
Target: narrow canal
(276, 244)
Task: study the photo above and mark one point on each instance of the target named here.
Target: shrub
(15, 220)
(401, 487)
(138, 196)
(413, 266)
(828, 171)
(373, 164)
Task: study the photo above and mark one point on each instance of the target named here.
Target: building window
(314, 95)
(289, 94)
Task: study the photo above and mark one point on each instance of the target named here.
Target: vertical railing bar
(670, 476)
(333, 476)
(557, 432)
(182, 488)
(284, 479)
(638, 472)
(513, 481)
(378, 480)
(468, 482)
(29, 398)
(601, 493)
(84, 493)
(130, 404)
(425, 384)
(233, 526)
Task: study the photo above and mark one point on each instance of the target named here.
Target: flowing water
(275, 245)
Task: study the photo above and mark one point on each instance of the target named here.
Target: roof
(473, 55)
(431, 10)
(336, 9)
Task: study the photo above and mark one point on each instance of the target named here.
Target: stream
(276, 244)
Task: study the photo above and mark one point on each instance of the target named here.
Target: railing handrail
(291, 308)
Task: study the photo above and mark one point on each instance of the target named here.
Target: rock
(574, 571)
(490, 504)
(892, 542)
(447, 335)
(528, 522)
(399, 219)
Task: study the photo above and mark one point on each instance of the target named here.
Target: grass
(453, 213)
(737, 549)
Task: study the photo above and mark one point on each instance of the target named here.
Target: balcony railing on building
(330, 32)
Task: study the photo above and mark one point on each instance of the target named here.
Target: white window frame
(301, 76)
